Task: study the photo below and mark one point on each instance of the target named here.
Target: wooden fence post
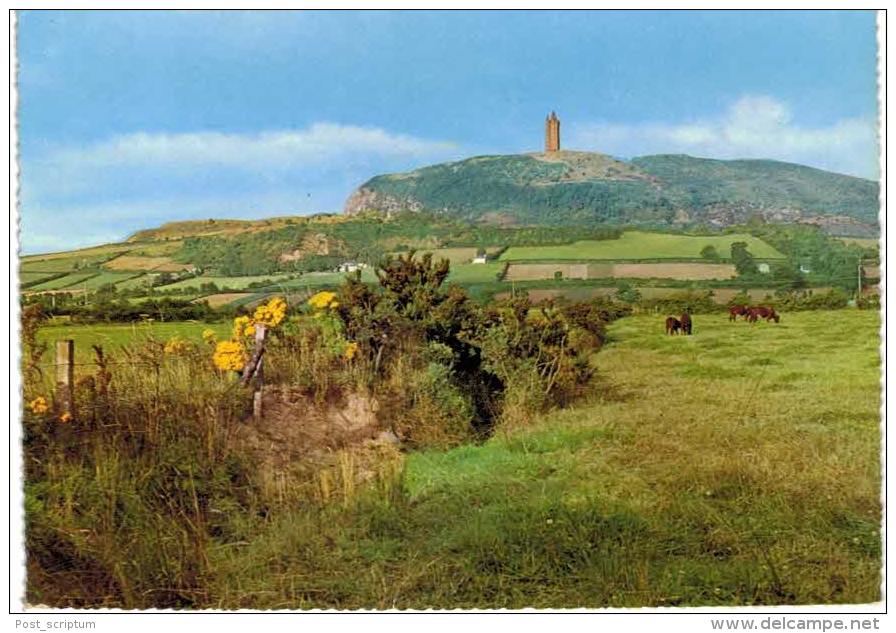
(260, 332)
(255, 369)
(65, 376)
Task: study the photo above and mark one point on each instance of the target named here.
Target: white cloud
(753, 127)
(319, 145)
(139, 180)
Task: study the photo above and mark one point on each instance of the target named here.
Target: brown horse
(763, 312)
(736, 311)
(673, 325)
(686, 325)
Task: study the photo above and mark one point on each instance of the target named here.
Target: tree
(788, 275)
(709, 252)
(743, 259)
(628, 293)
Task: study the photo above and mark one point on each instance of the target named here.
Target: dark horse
(673, 325)
(762, 312)
(686, 325)
(736, 311)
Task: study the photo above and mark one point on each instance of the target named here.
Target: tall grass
(736, 466)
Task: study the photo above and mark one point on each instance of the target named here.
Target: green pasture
(638, 245)
(475, 273)
(236, 283)
(116, 335)
(75, 281)
(737, 466)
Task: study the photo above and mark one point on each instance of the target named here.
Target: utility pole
(859, 286)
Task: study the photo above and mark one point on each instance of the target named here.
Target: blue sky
(128, 120)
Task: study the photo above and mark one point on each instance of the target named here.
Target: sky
(129, 120)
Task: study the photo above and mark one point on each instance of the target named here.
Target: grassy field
(475, 273)
(104, 251)
(457, 255)
(139, 263)
(114, 336)
(736, 466)
(237, 283)
(861, 241)
(641, 246)
(62, 264)
(73, 279)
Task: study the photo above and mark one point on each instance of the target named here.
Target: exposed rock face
(365, 199)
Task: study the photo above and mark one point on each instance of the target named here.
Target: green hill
(588, 189)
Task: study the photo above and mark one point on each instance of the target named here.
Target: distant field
(138, 263)
(581, 293)
(475, 273)
(313, 280)
(861, 241)
(26, 277)
(114, 336)
(62, 264)
(674, 271)
(64, 282)
(134, 280)
(155, 249)
(106, 277)
(103, 252)
(460, 255)
(641, 245)
(224, 298)
(670, 270)
(222, 282)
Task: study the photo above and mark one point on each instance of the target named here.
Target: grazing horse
(764, 312)
(673, 325)
(686, 325)
(736, 311)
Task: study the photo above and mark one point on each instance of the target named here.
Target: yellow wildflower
(177, 345)
(351, 350)
(229, 356)
(323, 300)
(38, 405)
(272, 313)
(65, 417)
(209, 336)
(240, 325)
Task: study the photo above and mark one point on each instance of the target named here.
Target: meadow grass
(641, 246)
(475, 273)
(237, 283)
(116, 335)
(74, 279)
(737, 466)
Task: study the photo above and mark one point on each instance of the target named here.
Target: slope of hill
(588, 189)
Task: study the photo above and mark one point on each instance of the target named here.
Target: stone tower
(552, 133)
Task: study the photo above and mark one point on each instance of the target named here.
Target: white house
(348, 267)
(764, 268)
(804, 268)
(479, 259)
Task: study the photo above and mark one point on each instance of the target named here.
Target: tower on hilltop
(552, 133)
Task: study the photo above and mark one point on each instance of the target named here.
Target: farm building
(348, 267)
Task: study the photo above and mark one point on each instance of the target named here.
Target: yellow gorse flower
(38, 405)
(241, 326)
(65, 417)
(209, 336)
(272, 313)
(351, 350)
(323, 300)
(229, 356)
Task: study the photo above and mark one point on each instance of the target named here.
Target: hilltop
(588, 189)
